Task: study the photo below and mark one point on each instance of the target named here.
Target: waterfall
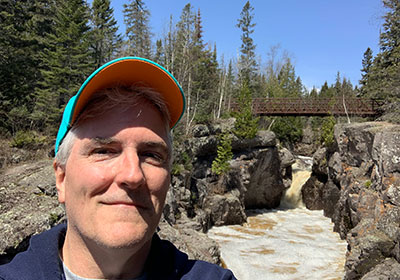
(301, 171)
(286, 243)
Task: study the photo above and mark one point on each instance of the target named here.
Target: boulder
(194, 243)
(265, 188)
(388, 269)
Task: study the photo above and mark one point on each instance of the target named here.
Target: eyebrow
(158, 145)
(148, 144)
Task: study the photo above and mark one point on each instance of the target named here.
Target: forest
(49, 47)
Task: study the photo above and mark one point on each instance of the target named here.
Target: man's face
(116, 178)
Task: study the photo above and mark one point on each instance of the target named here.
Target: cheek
(158, 185)
(85, 180)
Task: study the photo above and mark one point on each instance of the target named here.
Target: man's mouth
(122, 203)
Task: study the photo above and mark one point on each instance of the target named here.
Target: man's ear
(60, 181)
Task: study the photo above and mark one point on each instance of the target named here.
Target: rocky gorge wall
(357, 183)
(197, 200)
(258, 176)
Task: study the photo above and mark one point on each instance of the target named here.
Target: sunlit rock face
(360, 191)
(200, 199)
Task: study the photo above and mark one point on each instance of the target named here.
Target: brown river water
(286, 243)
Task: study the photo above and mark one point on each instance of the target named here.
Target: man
(112, 169)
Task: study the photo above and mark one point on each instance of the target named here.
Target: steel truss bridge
(297, 106)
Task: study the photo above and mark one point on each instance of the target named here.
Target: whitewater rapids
(287, 243)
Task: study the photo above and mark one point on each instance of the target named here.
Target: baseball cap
(125, 71)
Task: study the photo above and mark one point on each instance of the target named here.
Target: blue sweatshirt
(165, 261)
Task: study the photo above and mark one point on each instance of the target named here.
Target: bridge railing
(280, 106)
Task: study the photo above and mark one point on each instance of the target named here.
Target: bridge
(307, 106)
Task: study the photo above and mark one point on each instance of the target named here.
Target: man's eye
(153, 157)
(103, 151)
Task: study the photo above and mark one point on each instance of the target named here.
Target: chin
(126, 237)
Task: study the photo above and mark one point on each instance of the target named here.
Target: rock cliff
(357, 183)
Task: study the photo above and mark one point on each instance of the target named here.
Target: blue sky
(322, 37)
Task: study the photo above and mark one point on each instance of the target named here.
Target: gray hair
(106, 100)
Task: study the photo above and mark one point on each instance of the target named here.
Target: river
(286, 243)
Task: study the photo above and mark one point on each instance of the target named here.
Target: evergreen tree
(291, 86)
(313, 93)
(220, 165)
(204, 74)
(383, 80)
(326, 91)
(246, 125)
(23, 24)
(66, 62)
(136, 18)
(183, 51)
(104, 40)
(247, 62)
(159, 56)
(366, 68)
(195, 67)
(288, 130)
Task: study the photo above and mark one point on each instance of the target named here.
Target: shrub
(27, 139)
(177, 169)
(288, 129)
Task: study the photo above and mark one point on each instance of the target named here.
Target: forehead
(142, 116)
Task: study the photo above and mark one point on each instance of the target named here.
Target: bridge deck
(312, 106)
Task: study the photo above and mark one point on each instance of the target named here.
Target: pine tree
(383, 80)
(136, 18)
(220, 165)
(246, 125)
(66, 62)
(366, 69)
(159, 56)
(196, 68)
(23, 25)
(104, 40)
(247, 62)
(204, 74)
(326, 91)
(313, 93)
(183, 47)
(291, 86)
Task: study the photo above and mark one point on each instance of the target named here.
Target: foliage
(247, 61)
(327, 131)
(27, 139)
(381, 78)
(104, 39)
(366, 69)
(220, 165)
(368, 184)
(136, 18)
(288, 129)
(177, 169)
(246, 125)
(66, 59)
(23, 26)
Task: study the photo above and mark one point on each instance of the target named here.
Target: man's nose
(130, 173)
